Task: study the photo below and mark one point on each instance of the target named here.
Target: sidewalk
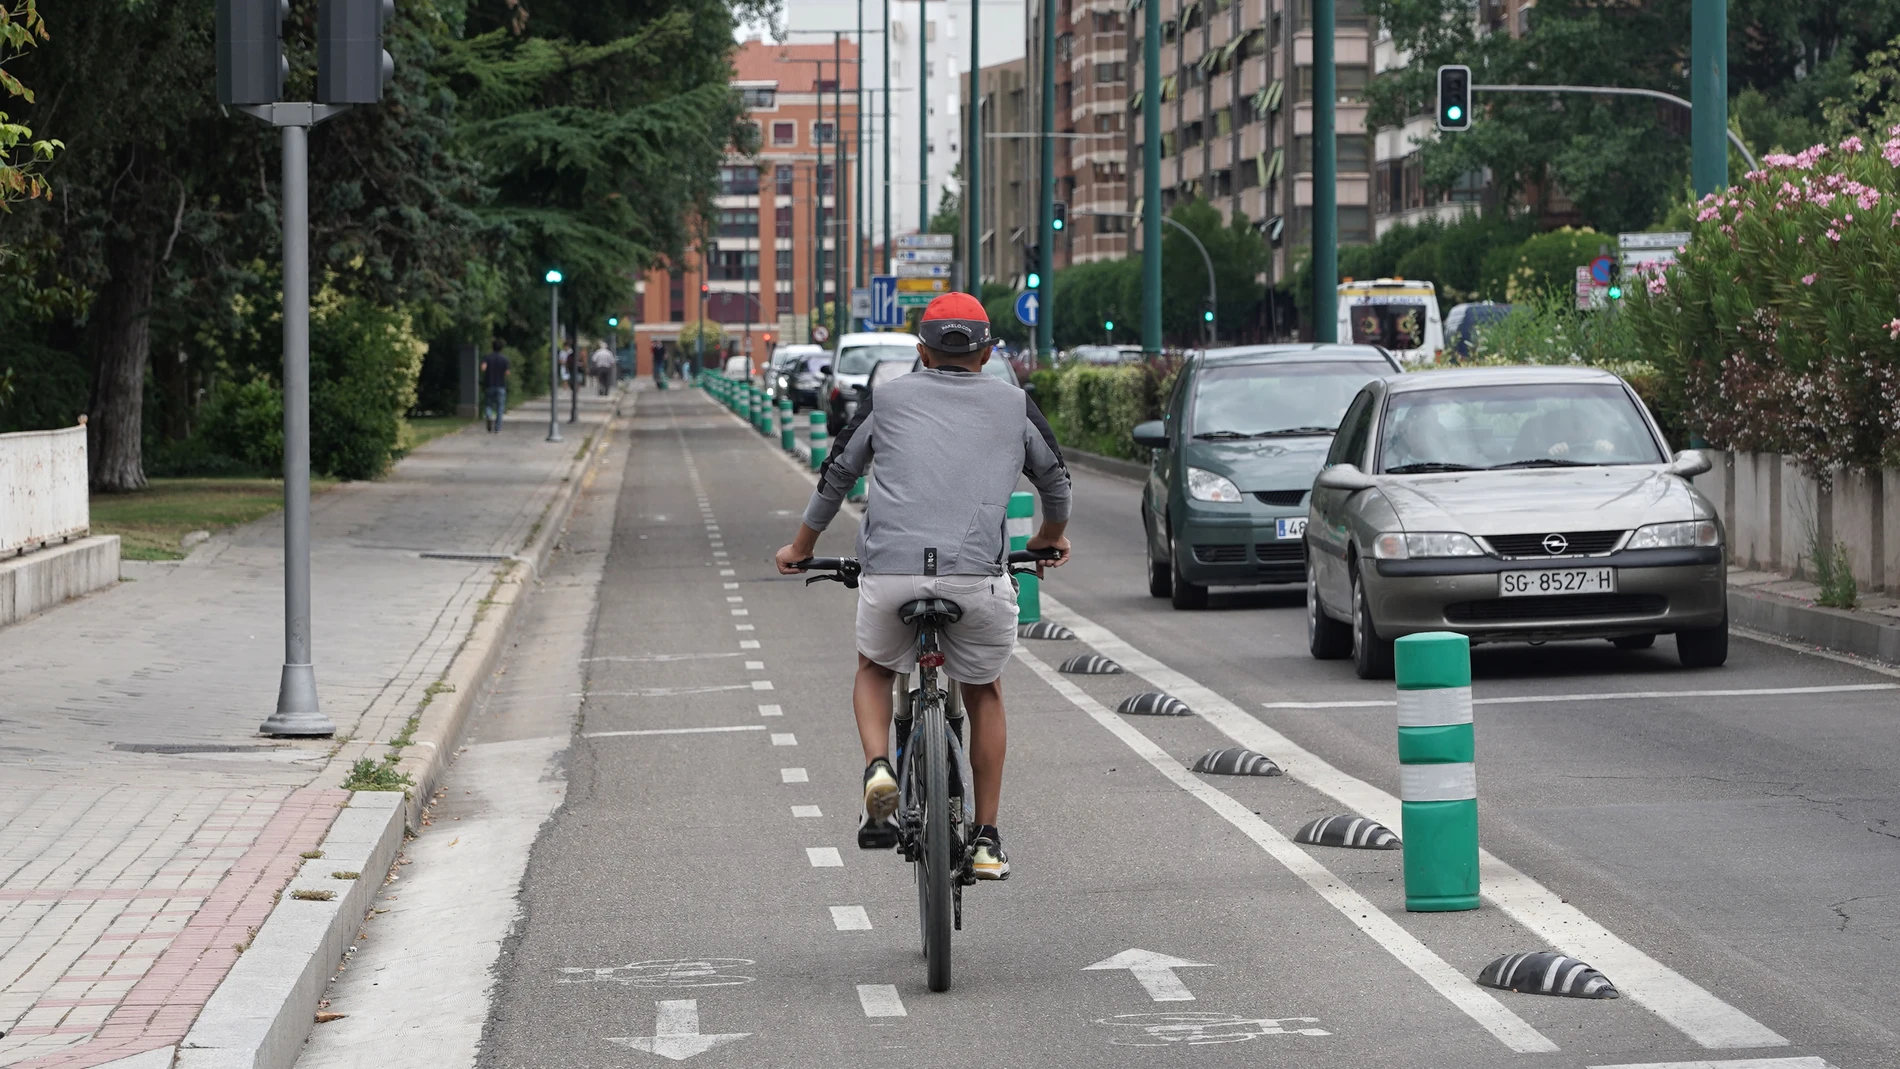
(145, 828)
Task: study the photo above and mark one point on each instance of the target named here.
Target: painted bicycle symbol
(665, 972)
(1199, 1029)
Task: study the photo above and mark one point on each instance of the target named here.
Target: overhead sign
(924, 256)
(1666, 239)
(922, 270)
(885, 311)
(1027, 306)
(926, 241)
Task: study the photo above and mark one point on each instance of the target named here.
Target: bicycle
(935, 812)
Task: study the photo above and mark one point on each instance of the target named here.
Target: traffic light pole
(973, 181)
(554, 362)
(1151, 175)
(1325, 178)
(1708, 88)
(1046, 242)
(1733, 138)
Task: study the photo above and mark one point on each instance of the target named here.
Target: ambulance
(1399, 315)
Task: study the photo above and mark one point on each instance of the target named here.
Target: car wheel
(1160, 578)
(1371, 655)
(1326, 638)
(1181, 593)
(1634, 642)
(1704, 647)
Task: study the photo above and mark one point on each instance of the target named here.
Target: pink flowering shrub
(1778, 328)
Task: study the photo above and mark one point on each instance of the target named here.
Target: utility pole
(858, 213)
(973, 181)
(1325, 178)
(1046, 240)
(884, 49)
(1708, 95)
(1151, 174)
(923, 116)
(840, 184)
(554, 356)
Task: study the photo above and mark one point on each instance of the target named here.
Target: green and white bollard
(817, 440)
(1438, 782)
(857, 490)
(766, 407)
(1021, 524)
(785, 424)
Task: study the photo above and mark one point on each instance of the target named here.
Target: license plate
(1289, 528)
(1557, 581)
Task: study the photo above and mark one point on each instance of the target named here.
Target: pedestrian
(571, 374)
(604, 367)
(495, 386)
(659, 362)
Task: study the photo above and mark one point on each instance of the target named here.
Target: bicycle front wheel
(936, 863)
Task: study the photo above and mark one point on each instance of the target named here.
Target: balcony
(1253, 139)
(1193, 106)
(1223, 152)
(1350, 47)
(1347, 119)
(1193, 164)
(1253, 75)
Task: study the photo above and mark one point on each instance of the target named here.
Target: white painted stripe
(743, 627)
(806, 811)
(1434, 708)
(1438, 783)
(787, 739)
(719, 552)
(755, 666)
(1020, 526)
(671, 731)
(1739, 1063)
(734, 599)
(727, 571)
(660, 658)
(793, 775)
(761, 684)
(729, 586)
(771, 710)
(880, 1000)
(851, 919)
(824, 857)
(1685, 1005)
(742, 612)
(1545, 699)
(1478, 1004)
(665, 692)
(748, 643)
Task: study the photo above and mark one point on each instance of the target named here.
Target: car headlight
(1396, 546)
(1207, 486)
(1686, 533)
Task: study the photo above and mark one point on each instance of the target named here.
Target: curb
(262, 1012)
(1122, 469)
(1842, 630)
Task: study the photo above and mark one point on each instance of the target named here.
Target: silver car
(1510, 504)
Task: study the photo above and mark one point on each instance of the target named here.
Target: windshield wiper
(1543, 462)
(1428, 466)
(1223, 435)
(1293, 430)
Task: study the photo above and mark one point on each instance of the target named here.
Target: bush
(243, 422)
(1548, 262)
(363, 366)
(1095, 408)
(1549, 329)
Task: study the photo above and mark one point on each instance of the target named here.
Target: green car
(1242, 435)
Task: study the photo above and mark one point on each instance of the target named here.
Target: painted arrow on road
(1154, 972)
(676, 1034)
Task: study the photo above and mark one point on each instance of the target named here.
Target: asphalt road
(1730, 860)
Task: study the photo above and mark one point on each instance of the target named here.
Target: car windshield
(1393, 326)
(1256, 400)
(998, 367)
(859, 360)
(1546, 425)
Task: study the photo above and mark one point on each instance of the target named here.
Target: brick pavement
(145, 829)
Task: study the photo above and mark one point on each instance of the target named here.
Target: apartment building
(1092, 80)
(764, 268)
(1009, 197)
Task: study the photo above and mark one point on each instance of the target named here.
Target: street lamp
(1208, 315)
(554, 352)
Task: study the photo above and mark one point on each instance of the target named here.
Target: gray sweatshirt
(949, 446)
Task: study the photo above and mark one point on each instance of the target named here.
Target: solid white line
(771, 710)
(851, 919)
(880, 1000)
(1812, 651)
(670, 731)
(793, 775)
(660, 658)
(662, 692)
(806, 811)
(1480, 1006)
(786, 739)
(1538, 699)
(824, 857)
(1741, 1063)
(1686, 1006)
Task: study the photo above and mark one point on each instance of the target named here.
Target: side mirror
(1345, 477)
(1153, 434)
(1690, 463)
(824, 369)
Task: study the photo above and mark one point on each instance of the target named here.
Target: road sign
(923, 285)
(1154, 972)
(922, 270)
(860, 303)
(915, 300)
(1637, 250)
(1600, 269)
(926, 241)
(885, 311)
(924, 256)
(820, 334)
(1027, 306)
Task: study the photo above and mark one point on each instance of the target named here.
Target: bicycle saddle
(931, 610)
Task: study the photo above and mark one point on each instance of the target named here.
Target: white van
(1399, 315)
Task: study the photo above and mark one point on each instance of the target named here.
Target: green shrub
(363, 366)
(1094, 409)
(243, 422)
(1548, 262)
(44, 388)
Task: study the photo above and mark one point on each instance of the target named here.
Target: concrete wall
(43, 496)
(44, 578)
(1775, 514)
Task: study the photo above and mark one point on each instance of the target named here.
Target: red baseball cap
(955, 323)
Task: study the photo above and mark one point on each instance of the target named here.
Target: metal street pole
(1151, 174)
(554, 359)
(1708, 93)
(860, 225)
(1325, 178)
(973, 181)
(840, 184)
(1617, 90)
(1046, 239)
(923, 116)
(884, 49)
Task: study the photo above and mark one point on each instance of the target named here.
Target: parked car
(1463, 321)
(851, 365)
(739, 366)
(1235, 452)
(1510, 504)
(1103, 355)
(790, 376)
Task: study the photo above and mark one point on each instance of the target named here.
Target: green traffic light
(613, 321)
(1055, 224)
(1616, 293)
(1108, 325)
(1208, 316)
(554, 276)
(1455, 113)
(1035, 280)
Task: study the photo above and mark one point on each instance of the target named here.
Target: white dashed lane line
(880, 1000)
(748, 643)
(850, 919)
(806, 811)
(824, 857)
(761, 684)
(793, 775)
(755, 666)
(786, 739)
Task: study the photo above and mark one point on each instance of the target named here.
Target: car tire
(1633, 642)
(1703, 647)
(1326, 638)
(1371, 655)
(1181, 593)
(1160, 579)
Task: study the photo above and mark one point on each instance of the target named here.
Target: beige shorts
(975, 648)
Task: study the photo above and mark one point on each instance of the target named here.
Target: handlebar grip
(1031, 556)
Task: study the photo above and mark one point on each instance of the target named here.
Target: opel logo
(1555, 544)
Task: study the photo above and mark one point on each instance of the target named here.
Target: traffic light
(1207, 312)
(352, 67)
(1454, 97)
(1058, 215)
(613, 321)
(1034, 281)
(1616, 285)
(251, 64)
(1032, 265)
(1108, 325)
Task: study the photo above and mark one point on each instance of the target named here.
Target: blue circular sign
(1028, 307)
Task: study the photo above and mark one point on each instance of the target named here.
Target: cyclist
(950, 442)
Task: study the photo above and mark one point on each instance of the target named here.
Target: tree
(20, 28)
(1239, 255)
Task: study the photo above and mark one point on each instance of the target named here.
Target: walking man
(659, 362)
(495, 386)
(603, 361)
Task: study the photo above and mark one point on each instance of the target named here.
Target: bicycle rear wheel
(936, 863)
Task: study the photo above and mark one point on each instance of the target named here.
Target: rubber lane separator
(1490, 1014)
(1542, 699)
(1686, 1006)
(880, 1000)
(671, 731)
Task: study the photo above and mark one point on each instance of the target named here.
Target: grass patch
(422, 430)
(345, 875)
(1834, 574)
(368, 775)
(313, 896)
(311, 855)
(152, 522)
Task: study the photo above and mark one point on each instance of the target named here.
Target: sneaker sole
(990, 873)
(880, 800)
